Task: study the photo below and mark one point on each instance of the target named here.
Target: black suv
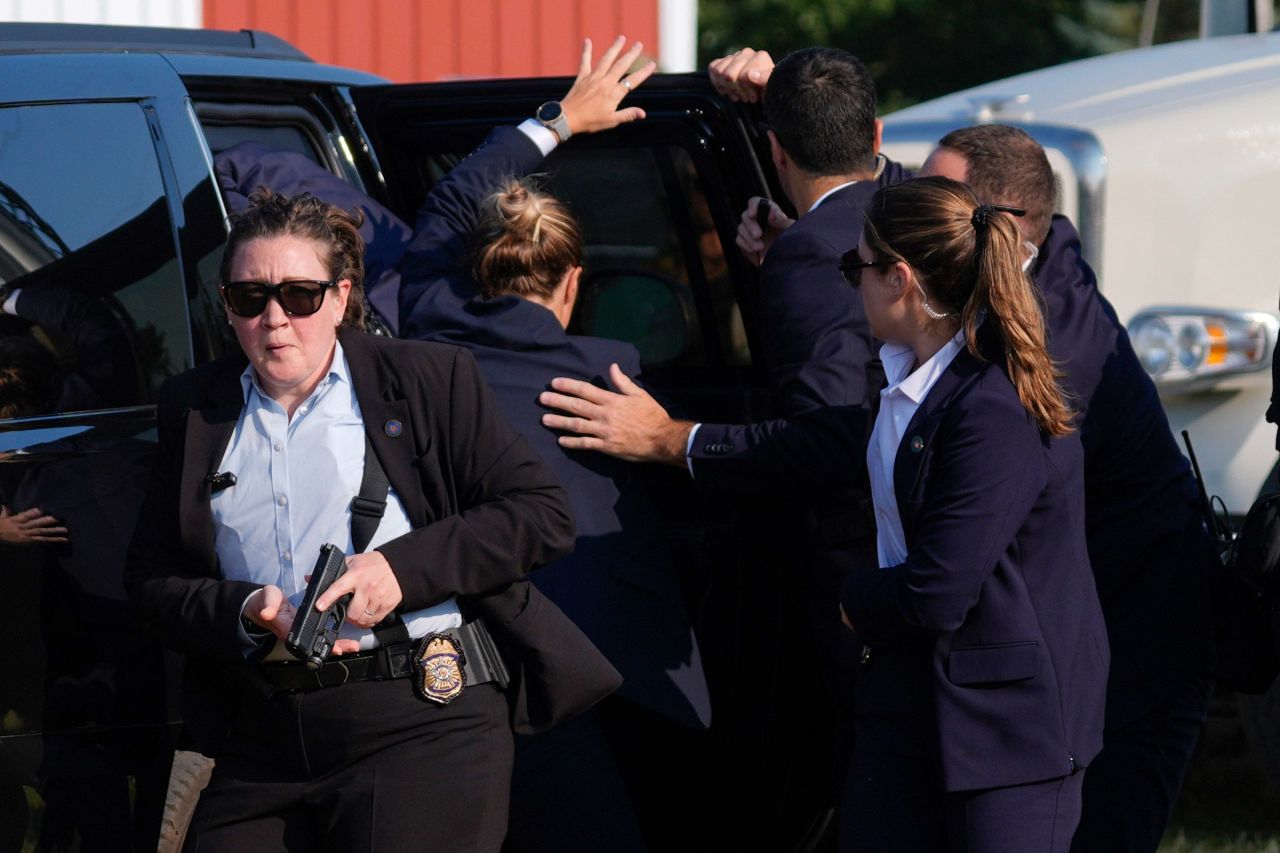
(110, 219)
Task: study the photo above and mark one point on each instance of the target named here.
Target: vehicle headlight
(1186, 345)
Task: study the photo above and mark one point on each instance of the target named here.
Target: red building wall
(424, 40)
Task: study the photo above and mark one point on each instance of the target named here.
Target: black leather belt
(481, 662)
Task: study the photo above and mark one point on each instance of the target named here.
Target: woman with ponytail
(980, 696)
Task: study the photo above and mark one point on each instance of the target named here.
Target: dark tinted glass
(656, 274)
(298, 298)
(634, 205)
(85, 233)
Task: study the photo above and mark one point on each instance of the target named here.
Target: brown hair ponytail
(526, 242)
(969, 257)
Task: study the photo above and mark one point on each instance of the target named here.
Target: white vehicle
(1168, 161)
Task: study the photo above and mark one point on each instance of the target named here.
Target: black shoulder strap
(367, 509)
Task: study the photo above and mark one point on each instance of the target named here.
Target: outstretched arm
(448, 217)
(817, 449)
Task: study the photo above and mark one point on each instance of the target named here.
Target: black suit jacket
(618, 585)
(996, 588)
(484, 511)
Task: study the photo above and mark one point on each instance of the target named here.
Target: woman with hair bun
(981, 691)
(495, 266)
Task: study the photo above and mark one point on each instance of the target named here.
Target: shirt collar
(916, 384)
(339, 371)
(828, 194)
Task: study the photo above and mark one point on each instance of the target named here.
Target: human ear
(340, 302)
(571, 279)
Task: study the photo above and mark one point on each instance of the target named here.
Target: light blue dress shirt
(294, 483)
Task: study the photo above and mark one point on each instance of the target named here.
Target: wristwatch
(551, 116)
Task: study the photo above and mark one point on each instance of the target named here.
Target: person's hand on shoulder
(741, 76)
(592, 101)
(760, 225)
(628, 424)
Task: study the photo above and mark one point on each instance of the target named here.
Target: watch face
(550, 111)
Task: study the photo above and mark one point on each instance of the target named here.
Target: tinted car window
(655, 273)
(650, 245)
(86, 236)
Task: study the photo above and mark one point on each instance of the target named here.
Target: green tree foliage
(919, 49)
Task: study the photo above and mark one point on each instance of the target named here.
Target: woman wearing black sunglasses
(394, 452)
(980, 695)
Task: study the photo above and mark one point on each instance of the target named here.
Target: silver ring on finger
(368, 612)
(625, 82)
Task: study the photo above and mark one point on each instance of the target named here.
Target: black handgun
(315, 631)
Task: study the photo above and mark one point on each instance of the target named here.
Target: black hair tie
(982, 213)
(981, 219)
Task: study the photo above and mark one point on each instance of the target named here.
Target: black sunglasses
(851, 266)
(298, 297)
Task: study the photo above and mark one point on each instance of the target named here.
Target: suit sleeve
(817, 449)
(818, 341)
(448, 217)
(193, 612)
(986, 477)
(513, 515)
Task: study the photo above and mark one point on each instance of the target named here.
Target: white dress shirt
(295, 482)
(899, 401)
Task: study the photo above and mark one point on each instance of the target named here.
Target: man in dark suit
(820, 107)
(824, 139)
(1147, 544)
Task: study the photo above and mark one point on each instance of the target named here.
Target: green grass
(1227, 804)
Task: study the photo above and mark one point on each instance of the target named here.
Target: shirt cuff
(10, 305)
(541, 136)
(688, 448)
(251, 641)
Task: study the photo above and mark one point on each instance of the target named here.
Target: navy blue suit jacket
(996, 588)
(1147, 544)
(618, 585)
(818, 345)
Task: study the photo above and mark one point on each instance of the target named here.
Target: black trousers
(361, 767)
(1131, 786)
(568, 794)
(619, 779)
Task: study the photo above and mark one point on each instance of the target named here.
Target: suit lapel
(208, 430)
(387, 420)
(917, 440)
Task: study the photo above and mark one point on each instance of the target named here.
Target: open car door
(659, 201)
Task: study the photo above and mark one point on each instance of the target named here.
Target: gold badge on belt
(439, 661)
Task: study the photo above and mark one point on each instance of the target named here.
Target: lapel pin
(917, 444)
(393, 428)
